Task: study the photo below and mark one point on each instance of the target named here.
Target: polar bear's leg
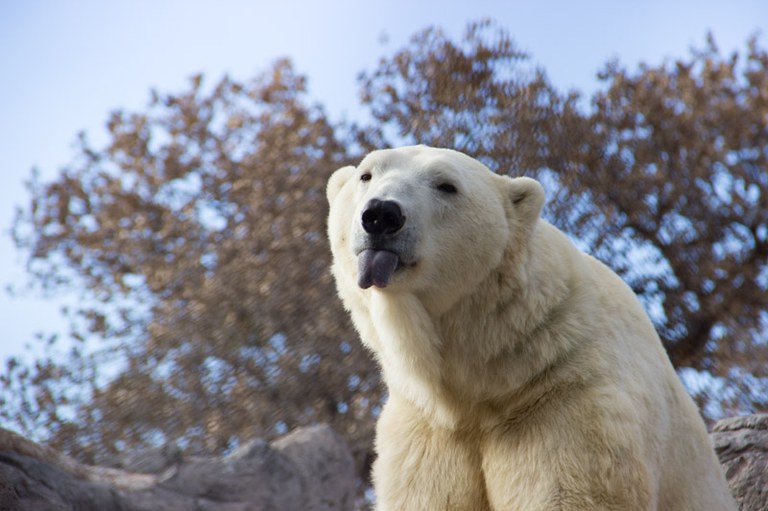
(420, 467)
(541, 469)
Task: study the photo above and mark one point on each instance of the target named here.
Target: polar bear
(522, 373)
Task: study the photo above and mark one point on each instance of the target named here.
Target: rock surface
(741, 444)
(310, 469)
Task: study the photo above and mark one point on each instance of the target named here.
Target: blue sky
(66, 64)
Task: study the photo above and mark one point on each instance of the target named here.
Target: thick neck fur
(433, 360)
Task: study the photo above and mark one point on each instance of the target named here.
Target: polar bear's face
(422, 219)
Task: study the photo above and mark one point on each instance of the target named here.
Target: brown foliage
(664, 178)
(198, 234)
(688, 143)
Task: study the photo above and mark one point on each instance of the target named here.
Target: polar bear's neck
(410, 354)
(525, 317)
(492, 341)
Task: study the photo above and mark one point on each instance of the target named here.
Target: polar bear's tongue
(375, 267)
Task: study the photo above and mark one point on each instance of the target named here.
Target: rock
(741, 443)
(147, 461)
(255, 473)
(325, 464)
(36, 485)
(310, 469)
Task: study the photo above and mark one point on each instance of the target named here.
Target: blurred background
(163, 166)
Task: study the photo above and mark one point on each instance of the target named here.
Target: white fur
(522, 373)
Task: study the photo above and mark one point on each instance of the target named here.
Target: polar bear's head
(425, 220)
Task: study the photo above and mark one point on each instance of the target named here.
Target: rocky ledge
(741, 443)
(311, 469)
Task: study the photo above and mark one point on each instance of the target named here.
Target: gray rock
(309, 470)
(741, 444)
(36, 485)
(325, 466)
(255, 473)
(147, 461)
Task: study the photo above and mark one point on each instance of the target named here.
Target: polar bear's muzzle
(380, 254)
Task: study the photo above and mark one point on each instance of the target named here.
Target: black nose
(382, 217)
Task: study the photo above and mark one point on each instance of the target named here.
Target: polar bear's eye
(365, 177)
(447, 188)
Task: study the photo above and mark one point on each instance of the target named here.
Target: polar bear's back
(688, 474)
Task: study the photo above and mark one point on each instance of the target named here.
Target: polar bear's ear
(526, 197)
(337, 180)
